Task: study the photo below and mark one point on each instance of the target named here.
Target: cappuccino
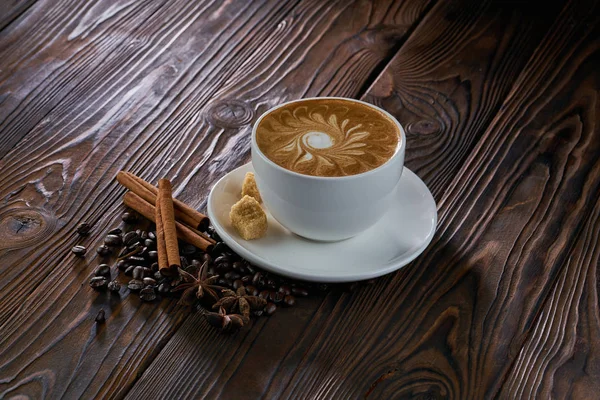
(328, 137)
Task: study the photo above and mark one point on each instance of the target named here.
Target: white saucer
(397, 239)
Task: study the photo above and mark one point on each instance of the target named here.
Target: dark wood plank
(561, 358)
(155, 96)
(10, 10)
(264, 363)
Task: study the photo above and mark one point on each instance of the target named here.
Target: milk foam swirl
(327, 137)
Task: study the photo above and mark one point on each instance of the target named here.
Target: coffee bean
(153, 255)
(276, 297)
(98, 282)
(289, 300)
(164, 288)
(271, 284)
(247, 279)
(137, 246)
(114, 286)
(223, 268)
(149, 243)
(84, 229)
(103, 250)
(187, 249)
(124, 251)
(286, 290)
(149, 281)
(143, 235)
(206, 258)
(222, 282)
(130, 238)
(220, 248)
(252, 291)
(115, 231)
(256, 279)
(129, 216)
(113, 240)
(258, 313)
(237, 284)
(134, 285)
(154, 266)
(299, 291)
(270, 309)
(264, 294)
(122, 265)
(250, 269)
(183, 261)
(158, 276)
(79, 250)
(136, 260)
(130, 269)
(232, 275)
(148, 294)
(152, 235)
(102, 270)
(138, 273)
(238, 267)
(100, 317)
(148, 271)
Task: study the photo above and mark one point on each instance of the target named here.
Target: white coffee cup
(327, 208)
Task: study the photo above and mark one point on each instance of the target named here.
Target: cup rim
(266, 159)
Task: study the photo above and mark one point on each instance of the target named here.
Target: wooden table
(501, 107)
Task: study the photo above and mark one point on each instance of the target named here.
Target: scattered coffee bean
(130, 238)
(271, 284)
(149, 243)
(114, 286)
(148, 294)
(247, 279)
(136, 260)
(299, 291)
(113, 240)
(286, 290)
(143, 235)
(250, 269)
(252, 291)
(148, 272)
(220, 248)
(258, 313)
(102, 270)
(115, 231)
(154, 266)
(134, 285)
(182, 260)
(223, 268)
(152, 235)
(124, 251)
(256, 279)
(138, 273)
(264, 294)
(270, 309)
(289, 301)
(276, 297)
(129, 216)
(129, 270)
(103, 250)
(239, 267)
(158, 276)
(135, 247)
(237, 284)
(100, 317)
(187, 249)
(232, 275)
(206, 258)
(84, 229)
(79, 250)
(221, 259)
(122, 265)
(164, 288)
(149, 281)
(98, 282)
(153, 255)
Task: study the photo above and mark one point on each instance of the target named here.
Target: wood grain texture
(561, 358)
(450, 325)
(264, 364)
(10, 10)
(110, 86)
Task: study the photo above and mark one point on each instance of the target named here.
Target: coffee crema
(327, 137)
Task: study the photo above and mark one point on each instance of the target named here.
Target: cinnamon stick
(165, 209)
(161, 248)
(184, 233)
(148, 192)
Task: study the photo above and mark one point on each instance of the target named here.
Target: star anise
(227, 323)
(240, 300)
(201, 287)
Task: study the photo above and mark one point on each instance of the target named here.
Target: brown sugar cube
(248, 218)
(249, 187)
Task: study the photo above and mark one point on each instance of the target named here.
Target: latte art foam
(327, 137)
